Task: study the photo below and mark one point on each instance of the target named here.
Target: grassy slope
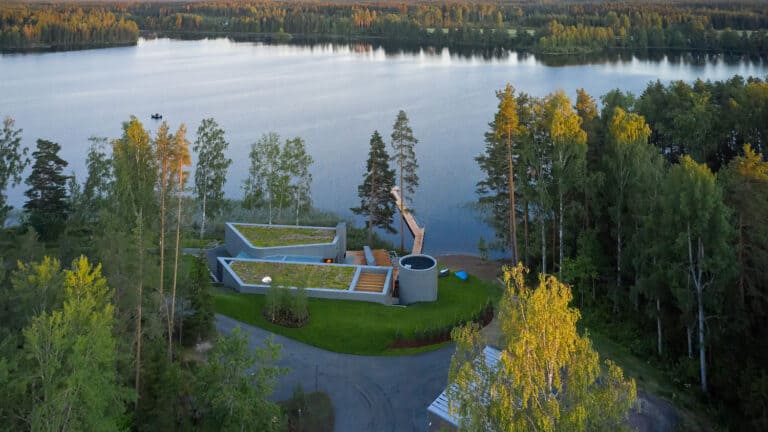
(367, 328)
(652, 380)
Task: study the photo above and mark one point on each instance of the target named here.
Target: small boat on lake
(156, 116)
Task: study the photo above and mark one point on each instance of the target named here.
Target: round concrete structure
(417, 279)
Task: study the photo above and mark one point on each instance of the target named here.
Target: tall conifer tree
(47, 203)
(403, 143)
(376, 200)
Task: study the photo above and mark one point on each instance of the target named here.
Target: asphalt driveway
(368, 393)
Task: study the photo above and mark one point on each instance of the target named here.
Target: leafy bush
(286, 307)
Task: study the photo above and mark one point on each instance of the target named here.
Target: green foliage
(70, 355)
(404, 157)
(47, 204)
(234, 385)
(36, 287)
(548, 377)
(286, 307)
(13, 160)
(199, 325)
(211, 168)
(377, 203)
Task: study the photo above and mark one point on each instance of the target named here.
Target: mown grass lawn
(269, 236)
(295, 275)
(367, 328)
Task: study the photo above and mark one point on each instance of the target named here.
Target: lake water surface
(333, 96)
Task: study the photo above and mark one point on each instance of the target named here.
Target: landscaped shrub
(286, 307)
(433, 335)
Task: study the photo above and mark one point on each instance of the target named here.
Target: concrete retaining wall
(230, 279)
(237, 244)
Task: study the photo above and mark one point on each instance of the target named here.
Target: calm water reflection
(334, 96)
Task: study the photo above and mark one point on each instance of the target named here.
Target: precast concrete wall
(238, 245)
(417, 279)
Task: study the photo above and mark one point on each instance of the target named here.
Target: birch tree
(13, 160)
(296, 165)
(263, 173)
(181, 160)
(548, 377)
(628, 144)
(211, 168)
(695, 220)
(569, 155)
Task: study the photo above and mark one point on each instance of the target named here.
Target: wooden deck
(413, 226)
(380, 255)
(371, 282)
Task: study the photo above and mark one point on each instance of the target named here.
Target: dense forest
(551, 27)
(653, 208)
(104, 323)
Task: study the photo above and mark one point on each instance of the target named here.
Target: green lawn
(269, 236)
(367, 328)
(295, 275)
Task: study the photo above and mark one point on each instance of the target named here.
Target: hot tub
(417, 279)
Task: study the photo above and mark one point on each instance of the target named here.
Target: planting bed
(294, 275)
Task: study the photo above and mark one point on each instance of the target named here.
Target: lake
(333, 96)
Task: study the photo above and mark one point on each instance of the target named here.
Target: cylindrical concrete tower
(417, 279)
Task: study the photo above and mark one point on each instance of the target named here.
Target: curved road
(368, 393)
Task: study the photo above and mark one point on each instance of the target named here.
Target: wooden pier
(416, 230)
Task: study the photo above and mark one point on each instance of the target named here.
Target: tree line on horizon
(653, 208)
(550, 27)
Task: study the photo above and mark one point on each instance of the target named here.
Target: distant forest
(549, 27)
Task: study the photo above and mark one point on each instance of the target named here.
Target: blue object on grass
(461, 274)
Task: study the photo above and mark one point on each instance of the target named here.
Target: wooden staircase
(371, 282)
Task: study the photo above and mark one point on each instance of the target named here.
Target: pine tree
(403, 143)
(211, 168)
(47, 203)
(376, 200)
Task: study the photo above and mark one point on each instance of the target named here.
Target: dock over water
(413, 226)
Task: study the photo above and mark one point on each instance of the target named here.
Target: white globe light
(266, 280)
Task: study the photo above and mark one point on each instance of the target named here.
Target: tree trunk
(658, 326)
(543, 245)
(202, 222)
(689, 335)
(372, 205)
(560, 229)
(525, 234)
(741, 261)
(139, 294)
(618, 266)
(512, 215)
(554, 240)
(402, 204)
(175, 265)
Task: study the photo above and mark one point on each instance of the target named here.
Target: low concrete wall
(237, 244)
(232, 280)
